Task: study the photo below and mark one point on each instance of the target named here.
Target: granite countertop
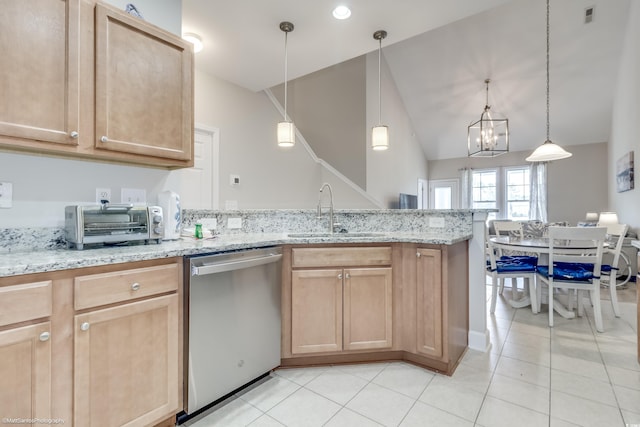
(17, 263)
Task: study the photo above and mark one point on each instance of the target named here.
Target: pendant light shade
(380, 137)
(380, 133)
(489, 136)
(286, 132)
(548, 151)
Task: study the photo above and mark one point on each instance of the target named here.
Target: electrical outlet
(6, 195)
(234, 180)
(209, 223)
(103, 194)
(234, 223)
(134, 196)
(436, 222)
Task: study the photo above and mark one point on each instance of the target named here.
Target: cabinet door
(126, 364)
(429, 302)
(25, 372)
(144, 88)
(39, 76)
(367, 308)
(316, 311)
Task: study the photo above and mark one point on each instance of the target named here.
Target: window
(505, 189)
(484, 187)
(517, 193)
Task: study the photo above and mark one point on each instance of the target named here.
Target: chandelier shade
(489, 136)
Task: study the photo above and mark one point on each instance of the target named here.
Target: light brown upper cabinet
(39, 76)
(80, 78)
(143, 87)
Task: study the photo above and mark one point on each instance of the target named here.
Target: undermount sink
(337, 234)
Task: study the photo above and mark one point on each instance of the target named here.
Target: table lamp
(607, 218)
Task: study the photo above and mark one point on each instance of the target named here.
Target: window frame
(501, 188)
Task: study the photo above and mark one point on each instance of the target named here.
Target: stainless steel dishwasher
(232, 323)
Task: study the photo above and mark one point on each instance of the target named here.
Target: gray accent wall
(329, 108)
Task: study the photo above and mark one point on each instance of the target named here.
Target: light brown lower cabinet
(345, 303)
(341, 309)
(25, 373)
(97, 346)
(125, 363)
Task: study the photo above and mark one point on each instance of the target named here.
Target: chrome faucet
(332, 225)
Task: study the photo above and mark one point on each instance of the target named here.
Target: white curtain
(466, 188)
(538, 189)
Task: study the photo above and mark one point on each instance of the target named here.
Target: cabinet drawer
(341, 257)
(107, 288)
(27, 301)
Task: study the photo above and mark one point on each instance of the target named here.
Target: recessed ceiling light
(341, 12)
(195, 40)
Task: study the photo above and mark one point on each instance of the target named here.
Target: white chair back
(568, 244)
(578, 246)
(508, 228)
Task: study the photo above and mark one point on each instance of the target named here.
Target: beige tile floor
(569, 375)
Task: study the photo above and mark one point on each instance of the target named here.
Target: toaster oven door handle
(119, 207)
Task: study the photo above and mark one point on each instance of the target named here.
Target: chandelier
(489, 136)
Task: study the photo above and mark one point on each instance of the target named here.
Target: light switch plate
(135, 196)
(6, 195)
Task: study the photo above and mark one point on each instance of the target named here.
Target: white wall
(397, 169)
(576, 185)
(625, 132)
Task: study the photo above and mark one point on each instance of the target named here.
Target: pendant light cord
(286, 33)
(379, 82)
(548, 133)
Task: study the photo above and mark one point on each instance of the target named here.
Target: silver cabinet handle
(135, 286)
(347, 276)
(340, 276)
(85, 326)
(104, 139)
(45, 336)
(418, 254)
(74, 134)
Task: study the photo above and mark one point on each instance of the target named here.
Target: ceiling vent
(588, 15)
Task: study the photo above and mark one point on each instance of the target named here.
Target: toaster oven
(111, 224)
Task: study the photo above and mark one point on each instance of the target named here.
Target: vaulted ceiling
(439, 54)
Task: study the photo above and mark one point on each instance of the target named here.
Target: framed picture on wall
(624, 173)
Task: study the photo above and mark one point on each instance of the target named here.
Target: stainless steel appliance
(110, 223)
(232, 323)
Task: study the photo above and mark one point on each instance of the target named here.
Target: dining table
(539, 246)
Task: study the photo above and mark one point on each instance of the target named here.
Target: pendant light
(548, 150)
(380, 133)
(286, 128)
(489, 136)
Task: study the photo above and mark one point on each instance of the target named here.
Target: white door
(443, 194)
(423, 194)
(198, 186)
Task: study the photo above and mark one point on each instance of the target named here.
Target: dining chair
(575, 261)
(515, 229)
(501, 267)
(615, 235)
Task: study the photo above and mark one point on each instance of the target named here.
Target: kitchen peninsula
(65, 295)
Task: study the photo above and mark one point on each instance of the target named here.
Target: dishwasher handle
(221, 267)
